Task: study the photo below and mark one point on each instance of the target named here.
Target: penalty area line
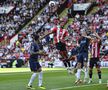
(78, 86)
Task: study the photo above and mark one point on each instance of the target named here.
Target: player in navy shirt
(34, 63)
(82, 57)
(84, 43)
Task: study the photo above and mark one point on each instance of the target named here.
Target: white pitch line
(77, 86)
(21, 72)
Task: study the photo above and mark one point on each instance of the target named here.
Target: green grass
(53, 79)
(8, 70)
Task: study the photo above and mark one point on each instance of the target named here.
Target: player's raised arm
(84, 34)
(97, 36)
(87, 36)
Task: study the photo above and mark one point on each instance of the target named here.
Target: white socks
(78, 74)
(90, 79)
(86, 73)
(40, 78)
(40, 75)
(32, 79)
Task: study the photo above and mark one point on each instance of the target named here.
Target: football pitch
(53, 79)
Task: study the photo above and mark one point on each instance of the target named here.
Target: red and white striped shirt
(59, 34)
(95, 49)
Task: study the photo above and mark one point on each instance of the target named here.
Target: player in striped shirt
(95, 55)
(59, 40)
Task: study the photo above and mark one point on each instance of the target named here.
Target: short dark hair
(35, 36)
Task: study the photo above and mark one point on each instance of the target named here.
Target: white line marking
(77, 86)
(23, 72)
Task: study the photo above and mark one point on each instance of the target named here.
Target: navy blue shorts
(82, 57)
(34, 65)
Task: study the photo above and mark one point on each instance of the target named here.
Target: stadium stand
(18, 50)
(16, 14)
(48, 19)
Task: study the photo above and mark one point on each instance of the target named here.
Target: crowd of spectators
(48, 19)
(23, 11)
(42, 23)
(98, 21)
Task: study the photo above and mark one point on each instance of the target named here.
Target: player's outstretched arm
(46, 34)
